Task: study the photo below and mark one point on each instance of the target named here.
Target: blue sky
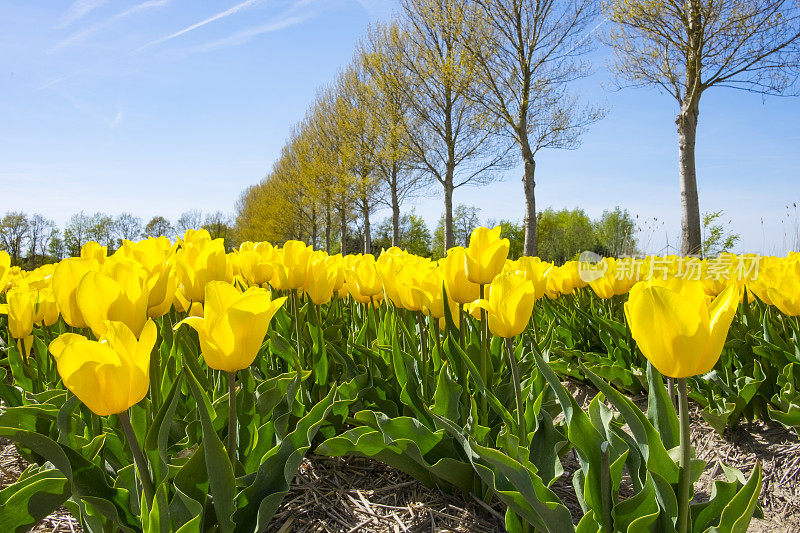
(160, 106)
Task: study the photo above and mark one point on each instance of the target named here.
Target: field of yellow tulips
(176, 387)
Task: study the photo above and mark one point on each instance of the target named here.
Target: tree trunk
(395, 210)
(528, 184)
(448, 211)
(328, 227)
(343, 229)
(314, 228)
(690, 205)
(367, 233)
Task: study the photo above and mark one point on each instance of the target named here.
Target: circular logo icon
(591, 266)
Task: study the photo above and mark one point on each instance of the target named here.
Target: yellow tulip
(256, 262)
(117, 293)
(153, 255)
(388, 265)
(109, 375)
(200, 261)
(66, 277)
(677, 327)
(5, 266)
(416, 283)
(459, 288)
(234, 324)
(294, 258)
(321, 281)
(486, 255)
(93, 250)
(778, 284)
(364, 275)
(21, 311)
(609, 281)
(509, 305)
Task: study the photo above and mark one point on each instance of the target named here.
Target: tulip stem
(685, 471)
(296, 307)
(522, 431)
(138, 457)
(424, 347)
(232, 416)
(484, 359)
(671, 390)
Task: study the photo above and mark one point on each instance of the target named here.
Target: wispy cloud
(245, 35)
(228, 12)
(79, 9)
(91, 30)
(297, 13)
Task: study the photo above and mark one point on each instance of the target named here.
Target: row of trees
(453, 92)
(32, 240)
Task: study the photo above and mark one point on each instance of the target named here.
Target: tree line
(452, 93)
(32, 240)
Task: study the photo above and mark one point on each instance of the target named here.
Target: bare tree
(359, 141)
(13, 234)
(158, 226)
(128, 227)
(102, 230)
(453, 140)
(686, 47)
(528, 57)
(39, 230)
(381, 54)
(219, 226)
(76, 233)
(191, 219)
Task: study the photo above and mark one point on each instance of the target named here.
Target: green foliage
(615, 233)
(515, 233)
(564, 234)
(465, 219)
(717, 238)
(414, 235)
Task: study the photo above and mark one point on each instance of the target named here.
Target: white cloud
(79, 9)
(235, 9)
(245, 35)
(91, 30)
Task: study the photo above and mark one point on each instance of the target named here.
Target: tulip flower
(778, 284)
(200, 261)
(459, 287)
(161, 282)
(231, 332)
(364, 275)
(486, 255)
(677, 327)
(234, 324)
(93, 250)
(109, 375)
(322, 277)
(117, 293)
(536, 271)
(509, 305)
(609, 281)
(5, 266)
(294, 258)
(681, 331)
(21, 311)
(256, 262)
(66, 278)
